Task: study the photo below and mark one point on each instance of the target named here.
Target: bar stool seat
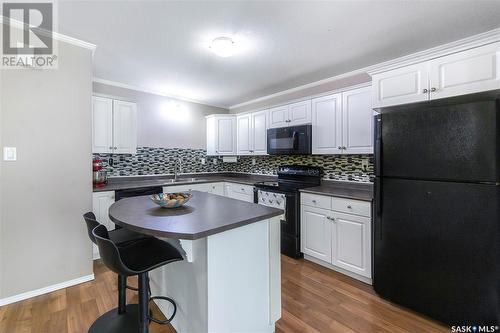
(134, 258)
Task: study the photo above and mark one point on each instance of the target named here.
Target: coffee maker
(99, 174)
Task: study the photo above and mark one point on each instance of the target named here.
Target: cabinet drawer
(350, 206)
(315, 200)
(243, 189)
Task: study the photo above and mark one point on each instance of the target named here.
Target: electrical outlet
(9, 154)
(253, 161)
(203, 161)
(214, 161)
(364, 165)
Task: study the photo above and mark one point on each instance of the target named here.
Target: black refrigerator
(437, 208)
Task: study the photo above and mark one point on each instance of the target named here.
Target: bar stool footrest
(168, 320)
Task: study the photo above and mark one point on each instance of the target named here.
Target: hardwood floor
(315, 299)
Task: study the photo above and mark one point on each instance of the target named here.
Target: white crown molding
(55, 35)
(484, 38)
(488, 37)
(136, 88)
(41, 291)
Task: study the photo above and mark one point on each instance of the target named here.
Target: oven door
(294, 140)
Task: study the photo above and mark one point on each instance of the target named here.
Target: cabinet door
(216, 188)
(226, 136)
(244, 130)
(124, 127)
(351, 243)
(299, 113)
(278, 117)
(357, 121)
(102, 125)
(465, 72)
(327, 124)
(259, 125)
(101, 201)
(401, 86)
(211, 136)
(316, 230)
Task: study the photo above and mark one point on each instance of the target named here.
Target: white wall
(46, 114)
(305, 92)
(162, 121)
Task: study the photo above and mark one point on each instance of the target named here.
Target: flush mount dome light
(222, 46)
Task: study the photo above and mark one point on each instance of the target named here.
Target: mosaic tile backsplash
(156, 161)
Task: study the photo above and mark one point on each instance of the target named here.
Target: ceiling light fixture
(222, 46)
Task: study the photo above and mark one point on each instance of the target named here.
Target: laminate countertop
(204, 215)
(349, 190)
(123, 183)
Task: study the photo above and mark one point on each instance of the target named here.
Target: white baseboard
(338, 269)
(45, 290)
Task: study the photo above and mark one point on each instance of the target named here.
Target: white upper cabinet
(357, 121)
(299, 113)
(466, 72)
(290, 115)
(124, 127)
(343, 123)
(243, 130)
(278, 117)
(252, 133)
(102, 125)
(221, 135)
(400, 86)
(461, 73)
(327, 124)
(259, 124)
(114, 126)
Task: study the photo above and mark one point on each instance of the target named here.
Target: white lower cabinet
(216, 188)
(239, 191)
(351, 243)
(316, 233)
(340, 236)
(101, 201)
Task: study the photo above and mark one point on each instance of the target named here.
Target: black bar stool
(136, 258)
(120, 237)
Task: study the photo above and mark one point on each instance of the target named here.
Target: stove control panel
(271, 199)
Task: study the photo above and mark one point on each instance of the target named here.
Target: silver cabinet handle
(110, 147)
(425, 91)
(344, 148)
(115, 147)
(433, 89)
(313, 201)
(349, 206)
(331, 218)
(339, 147)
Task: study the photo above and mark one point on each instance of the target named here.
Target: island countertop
(204, 215)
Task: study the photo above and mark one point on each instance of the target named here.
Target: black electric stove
(284, 194)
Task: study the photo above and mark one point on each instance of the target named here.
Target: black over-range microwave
(293, 140)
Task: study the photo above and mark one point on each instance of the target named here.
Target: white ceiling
(162, 46)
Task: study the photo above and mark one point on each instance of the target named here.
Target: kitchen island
(229, 280)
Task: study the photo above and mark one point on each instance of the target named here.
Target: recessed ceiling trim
(484, 38)
(136, 88)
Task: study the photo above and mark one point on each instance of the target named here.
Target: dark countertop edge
(198, 235)
(348, 190)
(152, 181)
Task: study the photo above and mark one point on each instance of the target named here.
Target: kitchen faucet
(178, 164)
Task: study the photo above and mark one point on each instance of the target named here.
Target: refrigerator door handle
(378, 145)
(378, 207)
